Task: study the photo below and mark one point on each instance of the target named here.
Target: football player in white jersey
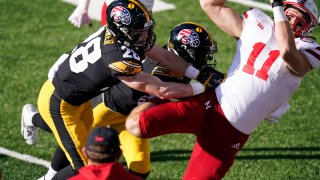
(271, 59)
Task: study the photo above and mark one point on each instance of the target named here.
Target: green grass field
(33, 34)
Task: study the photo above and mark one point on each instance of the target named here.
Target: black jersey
(92, 67)
(121, 98)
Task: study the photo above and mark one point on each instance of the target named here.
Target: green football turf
(33, 34)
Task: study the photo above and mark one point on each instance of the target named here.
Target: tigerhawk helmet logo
(188, 36)
(121, 14)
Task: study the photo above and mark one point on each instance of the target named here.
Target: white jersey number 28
(77, 65)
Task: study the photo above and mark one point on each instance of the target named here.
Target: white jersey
(147, 3)
(258, 82)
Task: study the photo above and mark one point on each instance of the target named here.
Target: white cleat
(28, 130)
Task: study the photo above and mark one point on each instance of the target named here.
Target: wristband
(278, 14)
(197, 88)
(191, 72)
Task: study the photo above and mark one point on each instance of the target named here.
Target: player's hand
(151, 98)
(78, 17)
(210, 78)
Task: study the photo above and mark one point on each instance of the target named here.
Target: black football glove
(210, 78)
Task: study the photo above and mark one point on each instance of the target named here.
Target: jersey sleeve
(310, 49)
(124, 63)
(313, 56)
(125, 68)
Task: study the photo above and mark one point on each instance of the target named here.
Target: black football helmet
(127, 20)
(193, 43)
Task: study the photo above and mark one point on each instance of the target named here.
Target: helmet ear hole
(191, 53)
(184, 47)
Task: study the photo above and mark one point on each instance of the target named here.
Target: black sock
(59, 160)
(65, 173)
(38, 121)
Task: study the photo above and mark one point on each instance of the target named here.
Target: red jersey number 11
(263, 72)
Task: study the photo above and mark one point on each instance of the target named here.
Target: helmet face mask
(193, 43)
(131, 24)
(299, 23)
(310, 13)
(143, 39)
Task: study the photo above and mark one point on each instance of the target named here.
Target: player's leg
(39, 122)
(65, 173)
(58, 162)
(203, 165)
(30, 121)
(103, 116)
(175, 117)
(135, 150)
(66, 123)
(216, 147)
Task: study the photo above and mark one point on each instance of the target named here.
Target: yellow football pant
(136, 151)
(69, 124)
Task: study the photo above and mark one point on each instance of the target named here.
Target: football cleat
(28, 130)
(42, 178)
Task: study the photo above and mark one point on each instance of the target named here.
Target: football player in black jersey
(190, 41)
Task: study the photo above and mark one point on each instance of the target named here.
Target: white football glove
(78, 17)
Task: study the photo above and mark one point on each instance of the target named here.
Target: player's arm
(176, 64)
(80, 14)
(165, 90)
(223, 16)
(172, 61)
(296, 61)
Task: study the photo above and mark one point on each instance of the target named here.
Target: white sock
(51, 172)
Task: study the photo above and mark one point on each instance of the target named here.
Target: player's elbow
(166, 93)
(297, 64)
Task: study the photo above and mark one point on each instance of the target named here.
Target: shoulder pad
(126, 68)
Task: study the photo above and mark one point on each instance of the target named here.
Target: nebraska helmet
(309, 9)
(193, 43)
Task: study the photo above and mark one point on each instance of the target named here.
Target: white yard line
(24, 157)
